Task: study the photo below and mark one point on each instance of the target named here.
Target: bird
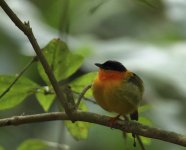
(117, 89)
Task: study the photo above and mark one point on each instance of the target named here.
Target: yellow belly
(114, 96)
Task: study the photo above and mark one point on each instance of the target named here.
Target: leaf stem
(18, 76)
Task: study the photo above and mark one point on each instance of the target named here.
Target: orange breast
(104, 85)
(113, 94)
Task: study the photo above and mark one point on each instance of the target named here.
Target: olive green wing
(135, 79)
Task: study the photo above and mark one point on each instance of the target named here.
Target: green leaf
(63, 62)
(45, 99)
(33, 144)
(20, 90)
(1, 148)
(78, 130)
(80, 83)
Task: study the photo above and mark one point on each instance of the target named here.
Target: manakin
(117, 89)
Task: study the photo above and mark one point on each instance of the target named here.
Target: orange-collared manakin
(117, 89)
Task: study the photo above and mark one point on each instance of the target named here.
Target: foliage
(64, 63)
(80, 83)
(33, 144)
(21, 89)
(79, 130)
(45, 99)
(1, 148)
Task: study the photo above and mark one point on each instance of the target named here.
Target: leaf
(1, 148)
(78, 130)
(33, 144)
(63, 62)
(20, 90)
(45, 99)
(80, 83)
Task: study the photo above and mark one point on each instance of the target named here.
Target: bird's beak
(98, 65)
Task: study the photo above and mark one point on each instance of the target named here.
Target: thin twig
(64, 21)
(81, 95)
(50, 91)
(27, 30)
(123, 125)
(149, 4)
(85, 98)
(140, 142)
(18, 76)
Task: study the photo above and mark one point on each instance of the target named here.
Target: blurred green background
(148, 37)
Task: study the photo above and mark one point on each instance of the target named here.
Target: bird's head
(111, 69)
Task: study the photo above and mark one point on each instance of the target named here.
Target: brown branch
(27, 30)
(127, 126)
(81, 95)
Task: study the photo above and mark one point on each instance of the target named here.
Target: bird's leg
(112, 120)
(133, 116)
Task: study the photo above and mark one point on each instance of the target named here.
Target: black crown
(112, 65)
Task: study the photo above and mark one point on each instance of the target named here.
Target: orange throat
(105, 75)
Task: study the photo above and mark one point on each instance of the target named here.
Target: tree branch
(27, 30)
(81, 95)
(127, 126)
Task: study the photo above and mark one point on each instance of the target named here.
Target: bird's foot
(112, 120)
